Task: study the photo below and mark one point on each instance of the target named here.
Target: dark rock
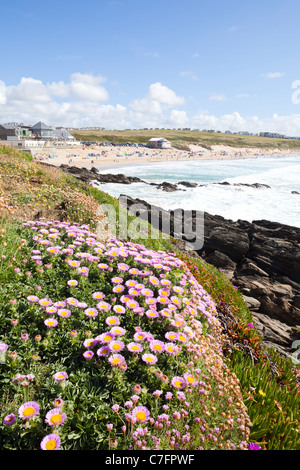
(252, 303)
(220, 260)
(168, 187)
(231, 241)
(261, 258)
(188, 184)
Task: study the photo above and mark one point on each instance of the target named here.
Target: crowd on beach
(114, 154)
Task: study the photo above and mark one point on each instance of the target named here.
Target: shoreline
(106, 157)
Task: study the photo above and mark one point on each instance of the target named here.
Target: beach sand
(112, 156)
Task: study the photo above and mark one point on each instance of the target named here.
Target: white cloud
(29, 90)
(60, 89)
(216, 97)
(159, 100)
(178, 118)
(88, 87)
(189, 74)
(273, 75)
(2, 92)
(164, 95)
(80, 102)
(242, 95)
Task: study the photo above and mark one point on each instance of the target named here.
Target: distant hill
(181, 139)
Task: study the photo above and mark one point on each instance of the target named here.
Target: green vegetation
(236, 390)
(182, 138)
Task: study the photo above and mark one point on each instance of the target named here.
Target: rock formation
(261, 258)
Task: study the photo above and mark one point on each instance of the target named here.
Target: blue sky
(120, 64)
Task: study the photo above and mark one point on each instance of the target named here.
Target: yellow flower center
(55, 419)
(28, 411)
(116, 360)
(141, 415)
(51, 444)
(191, 379)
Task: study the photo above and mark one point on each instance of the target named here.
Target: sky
(128, 64)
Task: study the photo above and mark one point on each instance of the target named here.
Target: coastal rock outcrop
(262, 259)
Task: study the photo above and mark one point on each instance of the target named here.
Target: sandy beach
(110, 156)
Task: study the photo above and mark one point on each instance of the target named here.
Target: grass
(248, 392)
(182, 138)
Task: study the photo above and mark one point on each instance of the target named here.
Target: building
(14, 131)
(40, 135)
(42, 131)
(159, 143)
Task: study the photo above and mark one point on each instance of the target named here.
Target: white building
(159, 143)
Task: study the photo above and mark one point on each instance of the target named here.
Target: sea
(234, 201)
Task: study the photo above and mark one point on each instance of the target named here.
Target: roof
(40, 125)
(154, 139)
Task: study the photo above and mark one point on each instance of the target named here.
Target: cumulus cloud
(88, 87)
(164, 95)
(29, 90)
(155, 107)
(2, 92)
(82, 101)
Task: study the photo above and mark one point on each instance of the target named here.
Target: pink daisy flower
(132, 304)
(105, 337)
(157, 346)
(88, 354)
(170, 348)
(103, 351)
(118, 288)
(119, 309)
(32, 298)
(9, 419)
(89, 343)
(91, 312)
(98, 295)
(28, 410)
(135, 347)
(149, 358)
(103, 266)
(50, 442)
(64, 312)
(112, 321)
(178, 382)
(118, 331)
(139, 336)
(116, 346)
(60, 376)
(51, 322)
(151, 314)
(141, 413)
(55, 417)
(103, 306)
(116, 360)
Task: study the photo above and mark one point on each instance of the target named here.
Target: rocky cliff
(261, 258)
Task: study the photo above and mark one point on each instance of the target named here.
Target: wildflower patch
(122, 346)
